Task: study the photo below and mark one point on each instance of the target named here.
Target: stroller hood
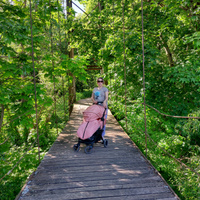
(93, 112)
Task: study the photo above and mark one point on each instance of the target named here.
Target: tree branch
(2, 115)
(167, 50)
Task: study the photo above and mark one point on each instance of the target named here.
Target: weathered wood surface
(118, 172)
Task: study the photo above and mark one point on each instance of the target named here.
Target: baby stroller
(90, 131)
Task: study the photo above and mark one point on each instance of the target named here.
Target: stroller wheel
(88, 149)
(105, 143)
(76, 147)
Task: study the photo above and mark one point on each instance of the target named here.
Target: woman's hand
(104, 104)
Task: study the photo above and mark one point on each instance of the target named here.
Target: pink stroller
(90, 131)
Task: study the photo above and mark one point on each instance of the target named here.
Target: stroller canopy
(93, 112)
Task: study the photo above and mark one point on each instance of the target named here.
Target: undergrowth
(50, 125)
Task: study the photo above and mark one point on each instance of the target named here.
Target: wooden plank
(140, 188)
(74, 184)
(118, 172)
(134, 193)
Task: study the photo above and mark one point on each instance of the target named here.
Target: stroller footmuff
(90, 131)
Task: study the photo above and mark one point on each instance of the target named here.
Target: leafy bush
(87, 93)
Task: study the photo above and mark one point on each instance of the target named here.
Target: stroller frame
(96, 137)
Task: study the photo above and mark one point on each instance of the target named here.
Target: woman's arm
(106, 99)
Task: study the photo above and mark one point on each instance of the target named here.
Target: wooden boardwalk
(118, 172)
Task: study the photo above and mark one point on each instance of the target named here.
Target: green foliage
(87, 93)
(52, 67)
(190, 129)
(11, 185)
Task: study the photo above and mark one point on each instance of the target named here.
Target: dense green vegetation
(110, 35)
(18, 138)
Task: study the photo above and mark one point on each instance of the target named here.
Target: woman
(100, 97)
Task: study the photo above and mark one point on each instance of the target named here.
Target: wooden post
(72, 86)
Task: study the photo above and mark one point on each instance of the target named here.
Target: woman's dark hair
(100, 78)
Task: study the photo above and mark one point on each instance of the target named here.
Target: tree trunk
(2, 115)
(167, 50)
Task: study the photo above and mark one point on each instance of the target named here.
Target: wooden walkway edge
(118, 172)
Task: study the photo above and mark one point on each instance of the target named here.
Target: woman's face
(100, 82)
